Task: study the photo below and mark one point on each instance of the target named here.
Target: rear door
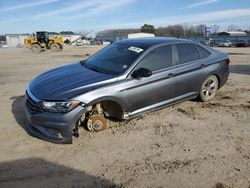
(190, 72)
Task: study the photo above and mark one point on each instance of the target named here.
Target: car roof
(148, 42)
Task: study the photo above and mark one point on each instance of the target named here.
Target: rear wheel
(36, 48)
(209, 88)
(55, 47)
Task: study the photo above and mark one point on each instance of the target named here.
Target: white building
(14, 39)
(232, 33)
(140, 35)
(115, 38)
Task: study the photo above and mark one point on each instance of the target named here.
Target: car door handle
(170, 75)
(202, 66)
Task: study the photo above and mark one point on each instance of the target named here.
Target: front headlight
(59, 107)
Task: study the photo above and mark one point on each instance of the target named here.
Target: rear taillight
(227, 61)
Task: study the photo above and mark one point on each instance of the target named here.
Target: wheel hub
(209, 88)
(96, 123)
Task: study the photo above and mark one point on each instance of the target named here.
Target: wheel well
(218, 78)
(35, 43)
(54, 43)
(111, 109)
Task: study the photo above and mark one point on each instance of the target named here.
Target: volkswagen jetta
(122, 81)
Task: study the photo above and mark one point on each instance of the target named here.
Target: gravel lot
(191, 144)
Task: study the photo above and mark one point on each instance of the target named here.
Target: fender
(110, 98)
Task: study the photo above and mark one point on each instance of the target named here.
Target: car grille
(32, 105)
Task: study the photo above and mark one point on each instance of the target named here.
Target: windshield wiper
(82, 62)
(91, 68)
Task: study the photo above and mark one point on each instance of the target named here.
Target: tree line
(177, 30)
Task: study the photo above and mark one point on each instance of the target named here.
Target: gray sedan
(122, 81)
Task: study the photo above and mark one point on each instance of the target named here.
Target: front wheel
(209, 88)
(36, 48)
(55, 47)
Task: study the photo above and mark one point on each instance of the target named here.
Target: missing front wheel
(93, 120)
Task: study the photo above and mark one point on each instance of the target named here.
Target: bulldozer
(41, 41)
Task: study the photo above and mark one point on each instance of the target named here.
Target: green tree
(146, 28)
(66, 32)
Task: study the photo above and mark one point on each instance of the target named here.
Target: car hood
(67, 81)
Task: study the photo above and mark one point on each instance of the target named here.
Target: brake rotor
(97, 123)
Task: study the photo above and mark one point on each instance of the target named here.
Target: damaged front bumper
(57, 128)
(53, 127)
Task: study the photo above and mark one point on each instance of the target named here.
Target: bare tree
(85, 33)
(185, 28)
(117, 32)
(168, 31)
(200, 29)
(162, 32)
(233, 28)
(215, 28)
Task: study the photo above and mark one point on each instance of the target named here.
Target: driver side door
(142, 94)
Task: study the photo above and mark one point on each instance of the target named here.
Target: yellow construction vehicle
(42, 41)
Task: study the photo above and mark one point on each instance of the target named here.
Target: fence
(217, 39)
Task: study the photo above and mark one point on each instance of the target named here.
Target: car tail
(227, 61)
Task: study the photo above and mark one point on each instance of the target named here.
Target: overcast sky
(27, 16)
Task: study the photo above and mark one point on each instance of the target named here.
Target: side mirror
(141, 73)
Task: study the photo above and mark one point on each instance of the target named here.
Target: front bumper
(54, 127)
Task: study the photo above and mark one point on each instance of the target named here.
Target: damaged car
(122, 81)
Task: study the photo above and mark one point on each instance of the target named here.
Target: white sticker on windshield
(124, 66)
(135, 49)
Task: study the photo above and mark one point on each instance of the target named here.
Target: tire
(55, 47)
(208, 88)
(36, 48)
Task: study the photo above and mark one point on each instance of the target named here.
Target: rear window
(203, 52)
(187, 53)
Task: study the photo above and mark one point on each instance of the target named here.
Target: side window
(203, 52)
(157, 59)
(187, 53)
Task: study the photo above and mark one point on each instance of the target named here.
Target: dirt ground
(191, 144)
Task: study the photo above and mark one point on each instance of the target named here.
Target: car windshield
(115, 59)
